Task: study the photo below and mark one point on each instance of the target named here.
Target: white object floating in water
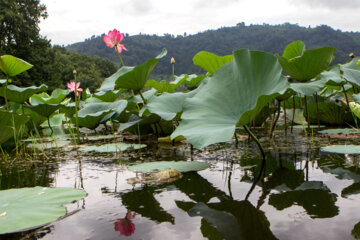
(3, 214)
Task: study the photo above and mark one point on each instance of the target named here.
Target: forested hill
(269, 38)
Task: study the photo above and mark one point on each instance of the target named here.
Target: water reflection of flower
(125, 225)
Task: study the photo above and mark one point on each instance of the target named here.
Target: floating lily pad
(340, 131)
(48, 145)
(344, 149)
(181, 166)
(111, 147)
(26, 208)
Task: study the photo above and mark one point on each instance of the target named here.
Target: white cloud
(71, 21)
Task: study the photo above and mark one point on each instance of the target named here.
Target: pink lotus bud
(172, 60)
(74, 71)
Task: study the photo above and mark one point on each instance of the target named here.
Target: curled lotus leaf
(307, 65)
(20, 94)
(211, 62)
(13, 66)
(232, 97)
(132, 77)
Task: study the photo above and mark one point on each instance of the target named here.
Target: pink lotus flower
(71, 87)
(125, 225)
(114, 38)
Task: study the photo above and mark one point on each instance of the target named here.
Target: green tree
(20, 36)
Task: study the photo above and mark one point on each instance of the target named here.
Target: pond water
(302, 193)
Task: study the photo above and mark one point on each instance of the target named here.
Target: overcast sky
(72, 21)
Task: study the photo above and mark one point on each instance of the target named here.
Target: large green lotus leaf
(211, 62)
(181, 166)
(344, 149)
(13, 66)
(91, 120)
(308, 88)
(25, 208)
(232, 97)
(147, 95)
(355, 108)
(167, 105)
(68, 109)
(7, 121)
(44, 109)
(117, 107)
(55, 98)
(351, 71)
(109, 96)
(332, 76)
(309, 65)
(36, 118)
(111, 147)
(294, 49)
(20, 95)
(132, 77)
(165, 86)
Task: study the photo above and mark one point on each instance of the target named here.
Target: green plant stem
(285, 118)
(173, 72)
(317, 110)
(6, 85)
(118, 54)
(293, 116)
(347, 100)
(256, 140)
(142, 97)
(76, 112)
(133, 95)
(52, 131)
(307, 113)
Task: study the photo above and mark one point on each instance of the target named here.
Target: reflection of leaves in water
(232, 219)
(198, 188)
(291, 178)
(209, 231)
(313, 196)
(356, 231)
(272, 164)
(350, 190)
(142, 201)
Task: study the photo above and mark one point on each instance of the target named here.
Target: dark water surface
(303, 193)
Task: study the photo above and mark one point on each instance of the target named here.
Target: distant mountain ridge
(269, 38)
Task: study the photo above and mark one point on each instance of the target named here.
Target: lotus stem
(346, 97)
(236, 138)
(142, 97)
(52, 131)
(273, 125)
(317, 110)
(293, 116)
(173, 71)
(76, 110)
(285, 118)
(307, 113)
(121, 61)
(256, 140)
(6, 85)
(133, 95)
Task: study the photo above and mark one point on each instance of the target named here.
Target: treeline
(269, 38)
(53, 66)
